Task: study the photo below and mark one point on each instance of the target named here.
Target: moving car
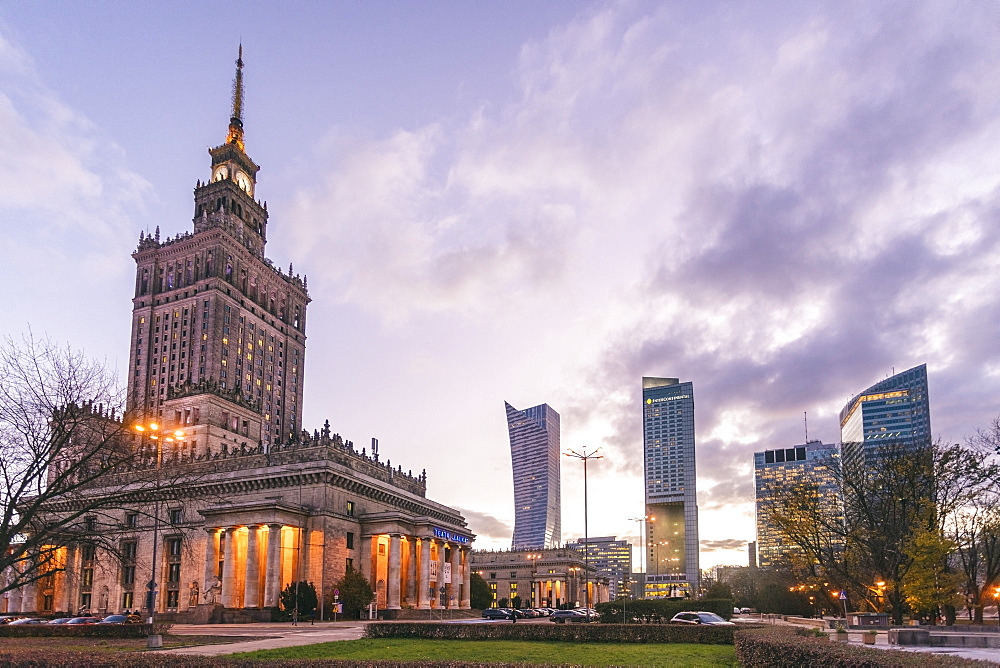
(700, 617)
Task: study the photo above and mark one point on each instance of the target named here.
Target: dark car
(60, 620)
(563, 616)
(120, 619)
(27, 621)
(7, 619)
(84, 620)
(702, 618)
(498, 613)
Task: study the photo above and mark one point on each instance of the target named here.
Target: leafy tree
(515, 602)
(928, 585)
(502, 603)
(355, 593)
(718, 590)
(479, 592)
(299, 596)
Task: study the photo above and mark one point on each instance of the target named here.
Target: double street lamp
(584, 455)
(151, 430)
(536, 596)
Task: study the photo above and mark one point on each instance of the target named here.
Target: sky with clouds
(541, 203)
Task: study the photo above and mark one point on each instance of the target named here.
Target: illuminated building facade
(804, 466)
(534, 454)
(612, 558)
(551, 578)
(251, 502)
(670, 488)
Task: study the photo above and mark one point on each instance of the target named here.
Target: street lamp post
(536, 597)
(584, 455)
(151, 431)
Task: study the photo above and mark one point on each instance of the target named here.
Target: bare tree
(886, 495)
(69, 464)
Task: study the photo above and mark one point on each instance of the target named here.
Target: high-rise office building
(776, 471)
(894, 411)
(534, 454)
(672, 558)
(611, 558)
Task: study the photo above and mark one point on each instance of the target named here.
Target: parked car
(563, 616)
(498, 613)
(120, 619)
(60, 620)
(7, 619)
(26, 621)
(703, 618)
(84, 620)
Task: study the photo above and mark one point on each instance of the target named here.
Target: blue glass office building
(672, 559)
(895, 410)
(534, 454)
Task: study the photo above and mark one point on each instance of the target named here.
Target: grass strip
(508, 651)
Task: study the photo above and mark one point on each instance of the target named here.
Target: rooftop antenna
(805, 421)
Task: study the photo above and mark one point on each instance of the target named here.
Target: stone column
(411, 571)
(365, 560)
(29, 598)
(69, 579)
(436, 599)
(456, 576)
(251, 590)
(272, 573)
(466, 601)
(211, 563)
(393, 576)
(229, 568)
(424, 581)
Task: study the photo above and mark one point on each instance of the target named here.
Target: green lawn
(509, 651)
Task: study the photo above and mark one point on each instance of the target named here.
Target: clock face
(243, 182)
(221, 173)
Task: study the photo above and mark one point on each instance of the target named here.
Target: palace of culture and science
(217, 360)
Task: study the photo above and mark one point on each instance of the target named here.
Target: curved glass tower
(534, 454)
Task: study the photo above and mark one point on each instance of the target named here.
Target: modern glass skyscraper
(895, 410)
(672, 559)
(776, 471)
(534, 454)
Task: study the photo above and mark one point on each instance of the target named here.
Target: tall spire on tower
(236, 121)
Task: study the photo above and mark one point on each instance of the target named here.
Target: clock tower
(218, 333)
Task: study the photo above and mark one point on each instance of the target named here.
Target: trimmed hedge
(78, 630)
(659, 611)
(783, 647)
(605, 633)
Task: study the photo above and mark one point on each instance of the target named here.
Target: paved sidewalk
(278, 635)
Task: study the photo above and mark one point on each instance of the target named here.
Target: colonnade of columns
(253, 569)
(415, 565)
